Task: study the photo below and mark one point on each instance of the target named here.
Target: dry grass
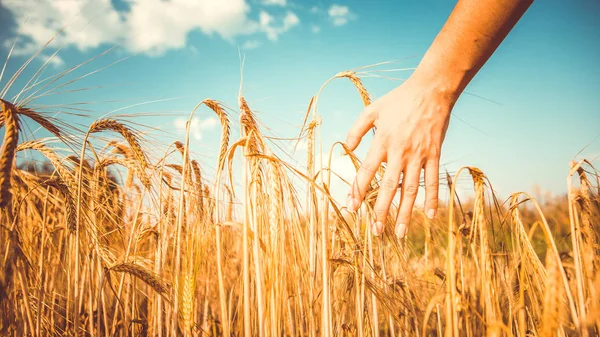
(167, 252)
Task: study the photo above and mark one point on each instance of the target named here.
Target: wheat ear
(132, 140)
(143, 274)
(9, 146)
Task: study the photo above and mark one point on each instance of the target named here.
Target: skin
(412, 119)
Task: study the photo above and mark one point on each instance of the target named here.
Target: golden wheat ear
(9, 147)
(351, 75)
(143, 274)
(131, 137)
(69, 201)
(225, 130)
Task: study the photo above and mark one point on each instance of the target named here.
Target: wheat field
(108, 238)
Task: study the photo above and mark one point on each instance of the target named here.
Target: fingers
(360, 127)
(410, 187)
(387, 191)
(365, 174)
(432, 186)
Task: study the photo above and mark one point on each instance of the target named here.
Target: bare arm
(470, 36)
(412, 119)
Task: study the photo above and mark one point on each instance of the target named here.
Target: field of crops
(107, 239)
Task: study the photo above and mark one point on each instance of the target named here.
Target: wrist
(443, 87)
(445, 69)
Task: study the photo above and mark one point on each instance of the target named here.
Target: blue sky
(528, 112)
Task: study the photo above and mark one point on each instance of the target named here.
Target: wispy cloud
(339, 14)
(274, 2)
(269, 26)
(54, 60)
(146, 26)
(197, 126)
(250, 44)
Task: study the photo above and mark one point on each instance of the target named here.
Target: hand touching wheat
(412, 119)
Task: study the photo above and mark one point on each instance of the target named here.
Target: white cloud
(339, 14)
(315, 29)
(197, 126)
(290, 20)
(267, 24)
(341, 168)
(274, 2)
(29, 48)
(342, 165)
(251, 44)
(338, 10)
(340, 21)
(85, 28)
(147, 26)
(157, 25)
(54, 60)
(265, 19)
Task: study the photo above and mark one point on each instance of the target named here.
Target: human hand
(411, 123)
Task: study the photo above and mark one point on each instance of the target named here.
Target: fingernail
(431, 213)
(377, 228)
(401, 230)
(351, 203)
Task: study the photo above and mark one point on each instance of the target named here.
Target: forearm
(470, 36)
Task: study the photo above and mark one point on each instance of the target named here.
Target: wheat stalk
(281, 268)
(553, 298)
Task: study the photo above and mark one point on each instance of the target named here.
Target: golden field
(109, 239)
